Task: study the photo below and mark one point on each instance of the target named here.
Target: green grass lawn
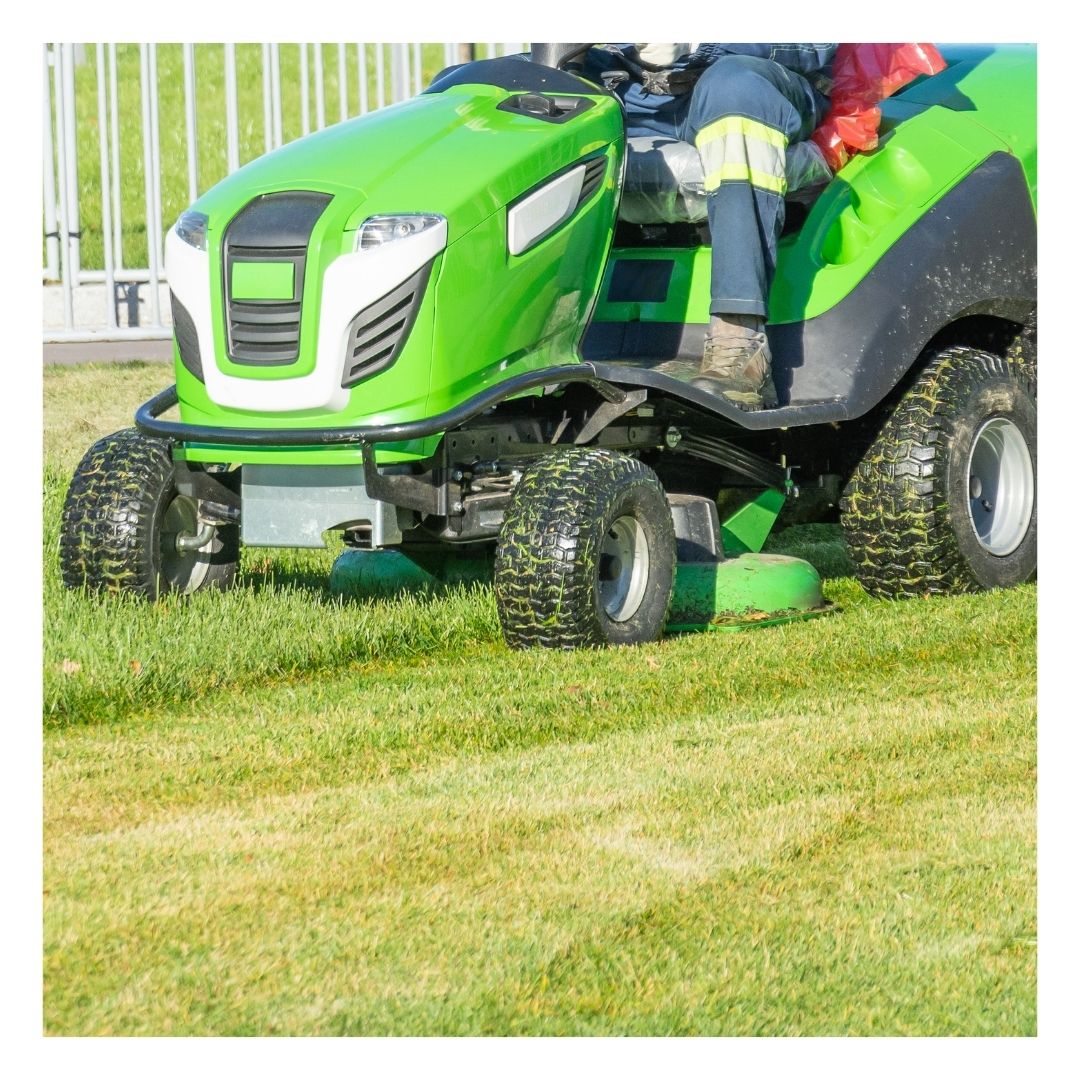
(275, 812)
(210, 124)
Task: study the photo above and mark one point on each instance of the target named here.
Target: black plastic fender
(974, 252)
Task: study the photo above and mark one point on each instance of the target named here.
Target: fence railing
(131, 134)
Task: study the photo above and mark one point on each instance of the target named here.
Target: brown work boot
(737, 365)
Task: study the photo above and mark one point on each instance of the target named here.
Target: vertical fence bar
(342, 81)
(155, 154)
(399, 71)
(52, 237)
(450, 53)
(114, 136)
(189, 117)
(72, 158)
(492, 52)
(268, 119)
(361, 56)
(232, 119)
(320, 88)
(380, 79)
(305, 93)
(418, 67)
(106, 217)
(275, 90)
(148, 174)
(62, 175)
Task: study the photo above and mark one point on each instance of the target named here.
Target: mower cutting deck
(712, 590)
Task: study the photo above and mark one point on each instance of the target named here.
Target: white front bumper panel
(352, 283)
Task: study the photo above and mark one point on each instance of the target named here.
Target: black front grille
(187, 337)
(378, 333)
(277, 229)
(266, 331)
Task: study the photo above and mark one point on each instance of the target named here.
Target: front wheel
(125, 527)
(944, 500)
(586, 554)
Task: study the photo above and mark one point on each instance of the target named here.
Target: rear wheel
(944, 501)
(125, 527)
(586, 554)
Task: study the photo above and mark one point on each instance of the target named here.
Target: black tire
(112, 524)
(1022, 355)
(907, 511)
(565, 511)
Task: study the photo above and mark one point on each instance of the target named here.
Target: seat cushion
(665, 182)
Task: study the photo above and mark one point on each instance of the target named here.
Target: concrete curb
(107, 352)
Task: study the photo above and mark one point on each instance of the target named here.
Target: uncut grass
(298, 826)
(106, 656)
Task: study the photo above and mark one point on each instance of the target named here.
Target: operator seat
(665, 183)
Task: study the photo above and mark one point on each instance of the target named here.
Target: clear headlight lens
(191, 228)
(389, 227)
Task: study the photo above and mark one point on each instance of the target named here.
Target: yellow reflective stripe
(741, 125)
(751, 158)
(738, 148)
(735, 170)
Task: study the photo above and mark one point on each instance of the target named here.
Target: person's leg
(742, 115)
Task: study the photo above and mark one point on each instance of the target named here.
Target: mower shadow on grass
(323, 587)
(275, 580)
(821, 545)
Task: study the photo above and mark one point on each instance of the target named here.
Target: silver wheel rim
(1001, 486)
(624, 569)
(182, 571)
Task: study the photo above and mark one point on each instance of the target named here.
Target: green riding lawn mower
(461, 331)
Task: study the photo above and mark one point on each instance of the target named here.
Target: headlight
(389, 227)
(191, 228)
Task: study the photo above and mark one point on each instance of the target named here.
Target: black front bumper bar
(147, 416)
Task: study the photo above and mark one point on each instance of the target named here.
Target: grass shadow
(822, 546)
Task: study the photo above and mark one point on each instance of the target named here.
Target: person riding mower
(743, 107)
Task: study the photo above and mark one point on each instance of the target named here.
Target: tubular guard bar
(146, 418)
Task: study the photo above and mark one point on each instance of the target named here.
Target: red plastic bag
(864, 74)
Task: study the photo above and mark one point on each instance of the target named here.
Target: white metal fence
(103, 152)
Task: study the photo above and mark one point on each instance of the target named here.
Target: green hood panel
(454, 153)
(485, 314)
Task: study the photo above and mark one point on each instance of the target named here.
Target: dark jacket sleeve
(804, 59)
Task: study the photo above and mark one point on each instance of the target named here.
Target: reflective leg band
(737, 148)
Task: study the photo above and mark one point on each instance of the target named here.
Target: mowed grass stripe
(382, 718)
(687, 878)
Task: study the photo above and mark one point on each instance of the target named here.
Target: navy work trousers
(742, 114)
